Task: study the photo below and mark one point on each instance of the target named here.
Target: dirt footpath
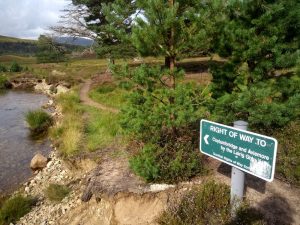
(84, 97)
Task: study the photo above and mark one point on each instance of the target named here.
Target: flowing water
(16, 146)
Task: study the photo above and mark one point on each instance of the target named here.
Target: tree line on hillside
(47, 49)
(18, 48)
(258, 82)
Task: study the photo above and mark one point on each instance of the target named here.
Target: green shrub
(164, 117)
(207, 205)
(3, 82)
(56, 192)
(125, 85)
(144, 163)
(15, 67)
(14, 208)
(53, 89)
(258, 82)
(39, 121)
(3, 68)
(264, 105)
(172, 163)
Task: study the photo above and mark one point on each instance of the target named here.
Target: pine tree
(163, 110)
(48, 51)
(169, 28)
(258, 83)
(111, 22)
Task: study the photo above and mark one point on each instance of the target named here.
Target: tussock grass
(3, 81)
(39, 121)
(72, 136)
(14, 208)
(69, 133)
(56, 192)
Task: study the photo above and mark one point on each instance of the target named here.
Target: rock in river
(38, 162)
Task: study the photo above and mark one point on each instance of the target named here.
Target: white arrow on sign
(205, 139)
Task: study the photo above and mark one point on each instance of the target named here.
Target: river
(16, 146)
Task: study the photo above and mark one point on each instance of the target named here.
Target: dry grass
(200, 78)
(69, 133)
(72, 136)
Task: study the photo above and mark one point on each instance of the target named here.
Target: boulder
(38, 162)
(8, 85)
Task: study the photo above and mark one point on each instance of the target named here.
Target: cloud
(29, 18)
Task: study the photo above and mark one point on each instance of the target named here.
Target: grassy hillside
(7, 59)
(14, 40)
(25, 47)
(17, 46)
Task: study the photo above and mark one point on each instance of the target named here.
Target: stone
(44, 222)
(61, 89)
(49, 164)
(160, 187)
(27, 189)
(38, 162)
(50, 102)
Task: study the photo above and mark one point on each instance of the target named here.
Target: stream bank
(17, 147)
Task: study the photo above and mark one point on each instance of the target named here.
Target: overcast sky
(29, 18)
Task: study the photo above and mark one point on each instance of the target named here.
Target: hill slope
(15, 40)
(25, 47)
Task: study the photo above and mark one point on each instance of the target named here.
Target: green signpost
(245, 150)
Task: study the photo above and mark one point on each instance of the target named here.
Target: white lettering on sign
(218, 130)
(246, 138)
(233, 134)
(262, 156)
(261, 142)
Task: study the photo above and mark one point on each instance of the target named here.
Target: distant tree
(18, 48)
(108, 22)
(49, 51)
(3, 68)
(15, 67)
(258, 82)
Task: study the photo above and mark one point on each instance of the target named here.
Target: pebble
(27, 189)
